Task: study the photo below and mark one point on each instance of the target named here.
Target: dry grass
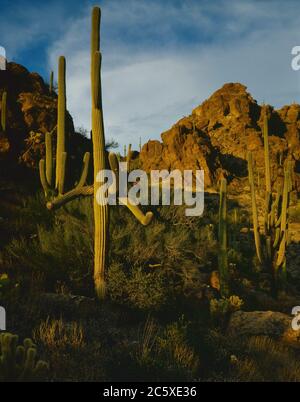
(268, 360)
(59, 334)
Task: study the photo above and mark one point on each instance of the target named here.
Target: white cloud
(148, 86)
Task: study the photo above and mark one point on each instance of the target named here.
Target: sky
(161, 58)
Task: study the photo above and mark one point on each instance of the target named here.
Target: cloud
(162, 59)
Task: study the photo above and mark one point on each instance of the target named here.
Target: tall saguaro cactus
(3, 111)
(56, 196)
(271, 242)
(223, 258)
(61, 126)
(51, 85)
(100, 209)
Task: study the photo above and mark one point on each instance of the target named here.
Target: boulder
(267, 323)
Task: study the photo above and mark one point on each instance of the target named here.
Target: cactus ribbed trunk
(128, 158)
(51, 82)
(100, 210)
(49, 158)
(254, 210)
(267, 156)
(61, 123)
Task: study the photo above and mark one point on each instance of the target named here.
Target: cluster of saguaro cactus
(3, 111)
(271, 242)
(54, 189)
(55, 185)
(222, 256)
(18, 362)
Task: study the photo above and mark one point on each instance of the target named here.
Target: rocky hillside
(218, 134)
(31, 112)
(215, 137)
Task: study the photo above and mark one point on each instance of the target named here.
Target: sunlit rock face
(218, 134)
(31, 112)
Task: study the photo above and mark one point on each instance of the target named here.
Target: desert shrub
(164, 354)
(31, 211)
(220, 309)
(138, 288)
(175, 350)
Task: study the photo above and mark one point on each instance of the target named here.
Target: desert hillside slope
(215, 137)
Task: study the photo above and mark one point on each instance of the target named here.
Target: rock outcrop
(31, 112)
(265, 323)
(218, 134)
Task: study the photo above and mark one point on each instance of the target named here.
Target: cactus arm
(61, 118)
(85, 170)
(49, 158)
(283, 223)
(43, 177)
(281, 251)
(285, 201)
(69, 196)
(144, 219)
(277, 238)
(275, 206)
(254, 210)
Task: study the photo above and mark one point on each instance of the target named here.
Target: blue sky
(161, 58)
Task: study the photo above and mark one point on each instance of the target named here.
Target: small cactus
(223, 258)
(128, 157)
(18, 362)
(51, 87)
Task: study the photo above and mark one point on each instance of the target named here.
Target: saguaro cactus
(128, 157)
(51, 82)
(61, 126)
(3, 111)
(270, 243)
(101, 211)
(55, 185)
(223, 258)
